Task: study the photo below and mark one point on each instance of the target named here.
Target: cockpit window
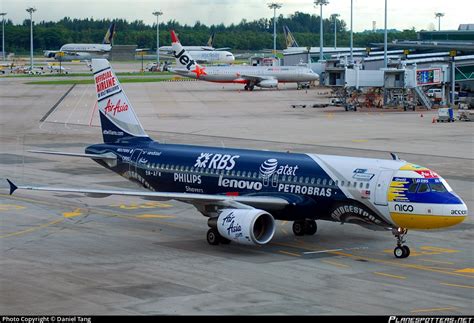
(437, 187)
(412, 188)
(423, 188)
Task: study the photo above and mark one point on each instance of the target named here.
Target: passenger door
(381, 188)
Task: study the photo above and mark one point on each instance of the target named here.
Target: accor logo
(458, 212)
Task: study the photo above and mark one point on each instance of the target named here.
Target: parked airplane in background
(251, 76)
(205, 54)
(84, 51)
(242, 192)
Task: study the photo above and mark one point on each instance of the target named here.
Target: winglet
(13, 187)
(174, 38)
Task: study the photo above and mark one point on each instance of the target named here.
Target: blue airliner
(243, 192)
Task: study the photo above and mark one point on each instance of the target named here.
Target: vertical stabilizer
(184, 61)
(117, 117)
(210, 42)
(109, 35)
(290, 40)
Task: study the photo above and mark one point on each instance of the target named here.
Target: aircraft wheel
(246, 88)
(213, 237)
(310, 227)
(298, 228)
(251, 87)
(407, 251)
(401, 252)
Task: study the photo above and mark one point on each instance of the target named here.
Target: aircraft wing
(255, 78)
(267, 202)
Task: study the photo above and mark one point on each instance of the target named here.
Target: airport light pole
(439, 15)
(385, 45)
(335, 29)
(31, 10)
(3, 34)
(158, 14)
(274, 6)
(321, 3)
(352, 34)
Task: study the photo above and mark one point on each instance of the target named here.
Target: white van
(434, 93)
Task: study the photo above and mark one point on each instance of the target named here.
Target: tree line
(246, 35)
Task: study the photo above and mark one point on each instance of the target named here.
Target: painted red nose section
(174, 38)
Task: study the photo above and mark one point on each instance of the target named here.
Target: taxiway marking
(11, 207)
(428, 310)
(457, 285)
(155, 216)
(72, 214)
(289, 253)
(31, 229)
(307, 246)
(335, 264)
(388, 275)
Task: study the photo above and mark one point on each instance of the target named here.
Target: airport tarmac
(70, 254)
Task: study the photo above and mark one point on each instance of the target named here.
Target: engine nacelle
(246, 226)
(268, 84)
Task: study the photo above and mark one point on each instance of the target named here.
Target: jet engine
(246, 226)
(268, 84)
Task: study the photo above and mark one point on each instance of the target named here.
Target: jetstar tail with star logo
(183, 59)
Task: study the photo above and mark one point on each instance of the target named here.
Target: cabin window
(295, 179)
(342, 183)
(238, 173)
(254, 175)
(306, 180)
(283, 178)
(355, 184)
(367, 186)
(330, 182)
(232, 173)
(324, 182)
(228, 173)
(301, 179)
(318, 181)
(187, 168)
(167, 167)
(244, 174)
(361, 185)
(312, 180)
(349, 184)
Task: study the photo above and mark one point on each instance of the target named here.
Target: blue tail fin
(119, 122)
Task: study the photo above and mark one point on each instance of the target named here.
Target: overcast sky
(403, 14)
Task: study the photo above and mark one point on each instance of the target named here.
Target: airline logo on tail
(119, 121)
(183, 58)
(290, 40)
(109, 36)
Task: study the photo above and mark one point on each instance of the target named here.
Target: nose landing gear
(400, 250)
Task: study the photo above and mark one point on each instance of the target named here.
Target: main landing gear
(400, 250)
(302, 227)
(248, 87)
(214, 237)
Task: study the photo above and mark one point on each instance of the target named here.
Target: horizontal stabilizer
(107, 156)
